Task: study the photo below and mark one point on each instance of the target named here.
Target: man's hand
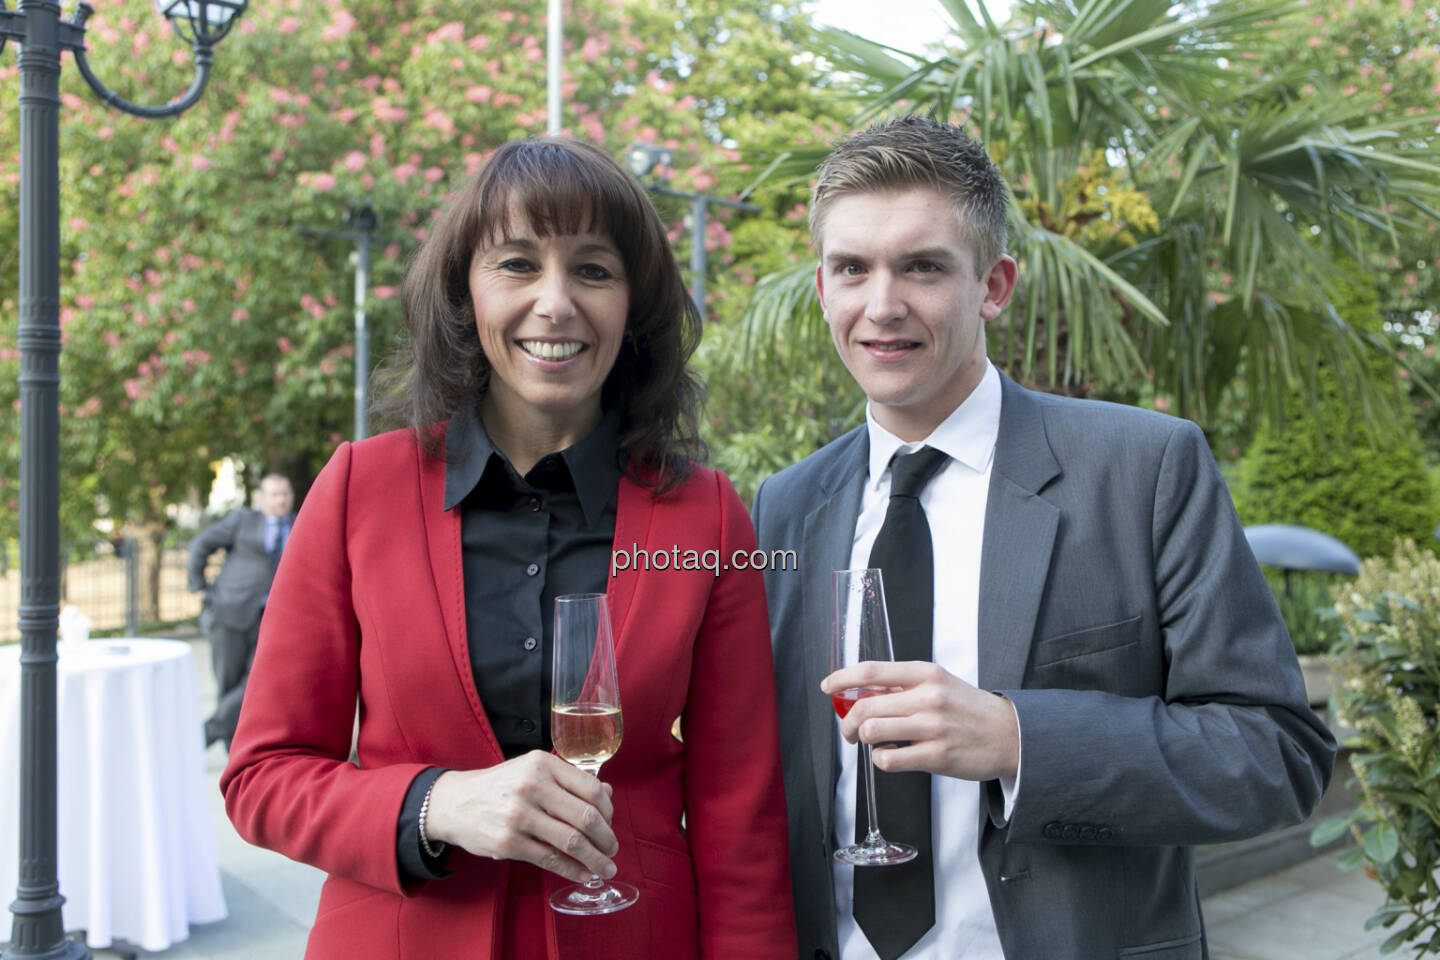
(953, 728)
(535, 807)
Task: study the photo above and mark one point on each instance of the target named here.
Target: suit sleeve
(734, 795)
(289, 785)
(218, 536)
(1228, 747)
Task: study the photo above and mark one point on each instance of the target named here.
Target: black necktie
(278, 544)
(895, 905)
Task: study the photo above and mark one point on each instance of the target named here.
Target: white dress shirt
(954, 503)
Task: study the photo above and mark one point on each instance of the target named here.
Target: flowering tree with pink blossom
(199, 322)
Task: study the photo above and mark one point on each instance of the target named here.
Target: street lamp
(362, 224)
(643, 158)
(38, 932)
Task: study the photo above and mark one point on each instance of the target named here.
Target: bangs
(552, 191)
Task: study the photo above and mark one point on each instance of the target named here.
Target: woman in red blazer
(548, 324)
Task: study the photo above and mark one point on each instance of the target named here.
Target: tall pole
(697, 253)
(362, 334)
(554, 39)
(38, 930)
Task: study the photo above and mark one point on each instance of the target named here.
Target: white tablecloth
(136, 848)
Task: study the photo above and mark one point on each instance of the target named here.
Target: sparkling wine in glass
(585, 723)
(859, 631)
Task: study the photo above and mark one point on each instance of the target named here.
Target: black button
(533, 569)
(822, 955)
(1070, 832)
(531, 643)
(534, 505)
(1087, 832)
(1104, 833)
(1052, 831)
(527, 726)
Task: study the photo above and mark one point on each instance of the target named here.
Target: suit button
(1087, 832)
(1051, 831)
(531, 643)
(534, 505)
(822, 955)
(1104, 833)
(1070, 832)
(527, 726)
(533, 569)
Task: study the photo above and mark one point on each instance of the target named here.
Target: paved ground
(1309, 912)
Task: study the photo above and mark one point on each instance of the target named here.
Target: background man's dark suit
(234, 602)
(1122, 612)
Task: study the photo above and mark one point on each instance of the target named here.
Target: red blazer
(369, 600)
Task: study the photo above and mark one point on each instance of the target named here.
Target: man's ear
(999, 286)
(820, 284)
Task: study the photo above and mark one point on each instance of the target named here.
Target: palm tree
(1178, 213)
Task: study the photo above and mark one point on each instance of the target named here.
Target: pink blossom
(440, 120)
(154, 299)
(478, 42)
(323, 182)
(276, 155)
(79, 224)
(449, 31)
(367, 180)
(284, 345)
(377, 145)
(404, 172)
(354, 161)
(88, 409)
(590, 50)
(434, 174)
(112, 339)
(1162, 404)
(188, 305)
(593, 127)
(526, 120)
(477, 94)
(330, 299)
(371, 83)
(383, 292)
(289, 25)
(339, 26)
(132, 389)
(85, 302)
(345, 114)
(279, 95)
(189, 261)
(105, 132)
(199, 162)
(316, 311)
(347, 349)
(505, 16)
(239, 314)
(290, 121)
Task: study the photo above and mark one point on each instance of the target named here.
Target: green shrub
(1314, 466)
(1307, 608)
(1389, 659)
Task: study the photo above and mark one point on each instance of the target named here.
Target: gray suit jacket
(235, 598)
(1121, 610)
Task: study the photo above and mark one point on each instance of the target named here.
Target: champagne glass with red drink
(860, 631)
(585, 723)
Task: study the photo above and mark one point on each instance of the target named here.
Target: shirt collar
(967, 435)
(593, 461)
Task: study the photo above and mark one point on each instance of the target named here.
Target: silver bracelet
(430, 851)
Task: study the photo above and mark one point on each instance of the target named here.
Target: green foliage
(1259, 181)
(1306, 606)
(200, 321)
(1389, 659)
(1315, 467)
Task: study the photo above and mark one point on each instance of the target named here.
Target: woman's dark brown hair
(559, 187)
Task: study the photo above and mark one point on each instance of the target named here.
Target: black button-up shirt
(525, 541)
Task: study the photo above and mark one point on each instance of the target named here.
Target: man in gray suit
(1091, 674)
(230, 616)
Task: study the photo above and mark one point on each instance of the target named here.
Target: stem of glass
(594, 884)
(872, 835)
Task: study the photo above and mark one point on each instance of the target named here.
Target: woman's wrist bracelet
(433, 852)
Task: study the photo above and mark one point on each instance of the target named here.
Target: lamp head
(202, 23)
(362, 218)
(643, 157)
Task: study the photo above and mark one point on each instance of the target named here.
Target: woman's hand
(536, 808)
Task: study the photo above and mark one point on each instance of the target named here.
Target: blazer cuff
(415, 866)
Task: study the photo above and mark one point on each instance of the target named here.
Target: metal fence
(103, 580)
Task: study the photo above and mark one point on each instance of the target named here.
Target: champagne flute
(585, 723)
(860, 630)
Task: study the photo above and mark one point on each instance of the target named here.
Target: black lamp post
(641, 159)
(38, 930)
(362, 224)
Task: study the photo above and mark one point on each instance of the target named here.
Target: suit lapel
(633, 509)
(1020, 530)
(442, 530)
(829, 534)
